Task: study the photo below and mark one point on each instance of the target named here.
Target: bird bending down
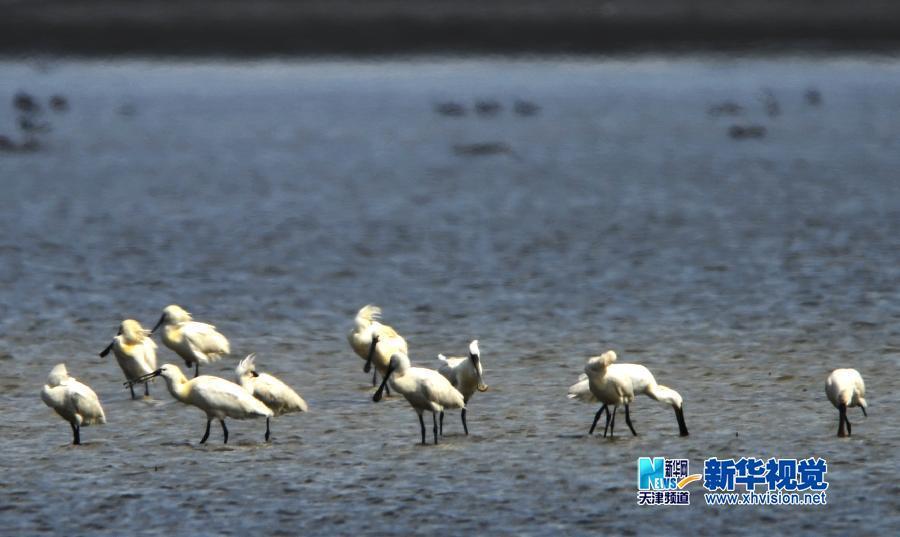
(218, 397)
(196, 343)
(642, 382)
(135, 352)
(276, 395)
(424, 389)
(845, 388)
(466, 375)
(73, 401)
(375, 342)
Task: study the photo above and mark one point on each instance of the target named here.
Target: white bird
(276, 395)
(218, 397)
(466, 375)
(610, 388)
(135, 352)
(373, 341)
(424, 389)
(196, 343)
(74, 401)
(845, 388)
(642, 382)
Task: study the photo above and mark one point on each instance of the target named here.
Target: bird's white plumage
(846, 386)
(73, 401)
(366, 323)
(134, 350)
(217, 397)
(194, 341)
(424, 389)
(275, 394)
(465, 373)
(609, 387)
(642, 383)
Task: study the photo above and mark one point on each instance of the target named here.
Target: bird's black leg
(842, 413)
(267, 429)
(465, 427)
(434, 420)
(374, 378)
(224, 430)
(628, 421)
(422, 424)
(612, 424)
(597, 418)
(131, 387)
(76, 434)
(147, 389)
(196, 369)
(206, 434)
(442, 423)
(608, 417)
(387, 390)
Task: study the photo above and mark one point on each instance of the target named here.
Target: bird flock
(385, 352)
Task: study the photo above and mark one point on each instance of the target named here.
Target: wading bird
(276, 395)
(466, 375)
(374, 342)
(609, 388)
(74, 401)
(642, 382)
(196, 343)
(218, 397)
(135, 352)
(424, 389)
(845, 388)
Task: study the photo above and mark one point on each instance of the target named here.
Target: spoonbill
(609, 388)
(466, 375)
(424, 389)
(218, 397)
(373, 341)
(135, 352)
(276, 395)
(74, 401)
(642, 382)
(845, 388)
(196, 343)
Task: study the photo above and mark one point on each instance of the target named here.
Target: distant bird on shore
(24, 102)
(59, 103)
(73, 401)
(424, 389)
(845, 388)
(642, 382)
(450, 109)
(218, 397)
(373, 341)
(196, 343)
(466, 375)
(525, 108)
(276, 395)
(488, 108)
(135, 352)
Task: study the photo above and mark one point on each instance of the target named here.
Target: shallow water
(274, 199)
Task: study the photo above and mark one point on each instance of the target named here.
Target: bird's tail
(368, 313)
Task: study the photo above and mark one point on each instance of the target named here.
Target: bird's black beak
(108, 348)
(254, 373)
(866, 414)
(368, 366)
(377, 396)
(159, 323)
(143, 378)
(679, 415)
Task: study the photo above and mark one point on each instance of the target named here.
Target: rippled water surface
(274, 199)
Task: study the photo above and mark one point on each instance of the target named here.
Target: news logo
(661, 481)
